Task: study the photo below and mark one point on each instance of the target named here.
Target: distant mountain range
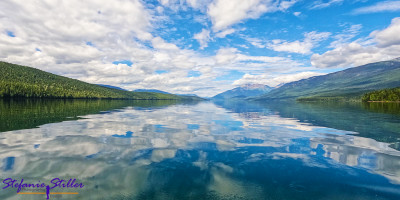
(110, 86)
(243, 92)
(18, 81)
(188, 95)
(185, 96)
(346, 84)
(151, 90)
(352, 83)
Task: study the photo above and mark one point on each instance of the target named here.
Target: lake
(202, 150)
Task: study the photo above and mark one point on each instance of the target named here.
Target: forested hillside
(392, 94)
(27, 82)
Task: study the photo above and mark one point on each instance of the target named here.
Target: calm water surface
(204, 150)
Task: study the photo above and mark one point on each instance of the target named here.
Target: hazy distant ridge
(245, 91)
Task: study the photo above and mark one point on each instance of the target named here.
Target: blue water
(207, 150)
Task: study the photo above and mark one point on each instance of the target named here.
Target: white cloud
(159, 43)
(164, 2)
(389, 36)
(203, 38)
(346, 35)
(171, 4)
(83, 41)
(385, 6)
(284, 5)
(382, 45)
(297, 14)
(194, 3)
(225, 13)
(160, 9)
(274, 80)
(61, 33)
(224, 33)
(320, 4)
(310, 41)
(269, 69)
(176, 5)
(256, 42)
(198, 4)
(352, 55)
(232, 57)
(116, 30)
(264, 59)
(226, 55)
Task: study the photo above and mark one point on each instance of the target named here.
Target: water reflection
(226, 150)
(372, 120)
(29, 113)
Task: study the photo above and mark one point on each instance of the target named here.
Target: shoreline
(99, 98)
(383, 101)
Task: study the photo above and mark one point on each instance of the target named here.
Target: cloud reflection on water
(126, 150)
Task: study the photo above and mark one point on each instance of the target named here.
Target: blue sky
(201, 47)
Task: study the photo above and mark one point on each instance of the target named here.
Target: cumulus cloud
(225, 13)
(381, 45)
(385, 6)
(203, 37)
(310, 41)
(226, 55)
(389, 36)
(274, 80)
(83, 41)
(160, 44)
(63, 33)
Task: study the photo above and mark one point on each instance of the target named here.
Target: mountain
(351, 83)
(245, 91)
(111, 86)
(190, 97)
(182, 96)
(26, 82)
(151, 90)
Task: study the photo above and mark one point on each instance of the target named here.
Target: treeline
(312, 99)
(27, 82)
(392, 94)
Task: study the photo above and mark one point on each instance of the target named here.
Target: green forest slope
(392, 94)
(22, 81)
